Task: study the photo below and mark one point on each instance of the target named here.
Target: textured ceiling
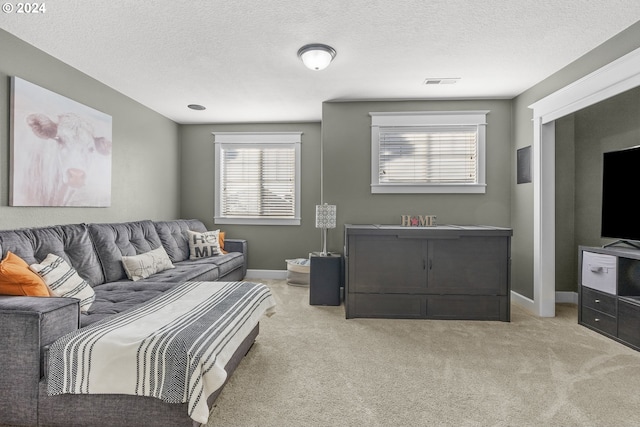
(238, 58)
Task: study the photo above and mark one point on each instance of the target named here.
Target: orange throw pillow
(221, 240)
(17, 279)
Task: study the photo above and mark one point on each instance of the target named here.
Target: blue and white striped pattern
(173, 348)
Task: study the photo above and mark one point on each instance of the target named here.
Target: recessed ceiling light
(197, 107)
(441, 81)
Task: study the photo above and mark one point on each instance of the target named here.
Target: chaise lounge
(31, 325)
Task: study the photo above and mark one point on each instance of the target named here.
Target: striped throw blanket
(173, 348)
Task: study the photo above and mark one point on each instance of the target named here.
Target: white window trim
(428, 118)
(257, 139)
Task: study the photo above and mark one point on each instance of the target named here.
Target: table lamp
(325, 218)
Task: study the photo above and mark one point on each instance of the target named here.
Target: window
(257, 178)
(428, 152)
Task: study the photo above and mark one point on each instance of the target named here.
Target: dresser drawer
(469, 307)
(599, 321)
(599, 272)
(385, 305)
(599, 301)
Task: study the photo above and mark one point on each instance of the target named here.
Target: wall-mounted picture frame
(523, 165)
(60, 150)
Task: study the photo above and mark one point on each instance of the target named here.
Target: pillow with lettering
(203, 245)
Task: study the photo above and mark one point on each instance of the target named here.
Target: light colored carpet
(312, 367)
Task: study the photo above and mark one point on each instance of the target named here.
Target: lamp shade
(325, 216)
(316, 56)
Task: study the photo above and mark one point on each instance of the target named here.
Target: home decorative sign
(60, 150)
(417, 220)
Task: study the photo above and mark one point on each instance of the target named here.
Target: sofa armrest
(27, 326)
(236, 245)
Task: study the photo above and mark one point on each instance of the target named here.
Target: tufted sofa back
(113, 241)
(71, 242)
(173, 235)
(96, 250)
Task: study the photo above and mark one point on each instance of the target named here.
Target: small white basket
(298, 271)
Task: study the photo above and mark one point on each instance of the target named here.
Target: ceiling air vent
(441, 81)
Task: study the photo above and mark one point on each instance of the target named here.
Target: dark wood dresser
(440, 272)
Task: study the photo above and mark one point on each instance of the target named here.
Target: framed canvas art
(60, 150)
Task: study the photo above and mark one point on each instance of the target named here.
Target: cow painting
(59, 159)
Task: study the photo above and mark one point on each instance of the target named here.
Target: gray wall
(145, 162)
(346, 129)
(269, 246)
(522, 195)
(610, 125)
(566, 254)
(162, 170)
(581, 139)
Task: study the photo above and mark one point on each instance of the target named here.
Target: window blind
(258, 181)
(428, 155)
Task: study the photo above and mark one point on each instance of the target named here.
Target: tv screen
(620, 187)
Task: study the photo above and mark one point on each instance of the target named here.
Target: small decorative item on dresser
(418, 220)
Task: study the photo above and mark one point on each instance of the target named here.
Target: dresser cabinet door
(629, 323)
(469, 266)
(387, 264)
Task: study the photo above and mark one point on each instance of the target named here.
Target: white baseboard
(567, 297)
(523, 301)
(527, 303)
(266, 274)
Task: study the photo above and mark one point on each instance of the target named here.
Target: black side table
(325, 279)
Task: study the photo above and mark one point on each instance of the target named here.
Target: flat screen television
(620, 191)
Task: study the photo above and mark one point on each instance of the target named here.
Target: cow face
(76, 145)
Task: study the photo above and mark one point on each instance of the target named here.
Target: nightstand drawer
(599, 301)
(600, 321)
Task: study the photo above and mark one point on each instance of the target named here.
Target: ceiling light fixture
(197, 107)
(316, 56)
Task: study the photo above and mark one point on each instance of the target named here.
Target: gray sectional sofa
(28, 325)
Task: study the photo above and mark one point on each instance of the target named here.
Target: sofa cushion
(64, 281)
(73, 244)
(173, 235)
(20, 242)
(183, 272)
(112, 241)
(116, 297)
(224, 263)
(144, 265)
(16, 278)
(70, 242)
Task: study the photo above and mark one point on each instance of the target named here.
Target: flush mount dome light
(197, 107)
(316, 56)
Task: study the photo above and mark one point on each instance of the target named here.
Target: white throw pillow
(202, 245)
(64, 281)
(144, 265)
